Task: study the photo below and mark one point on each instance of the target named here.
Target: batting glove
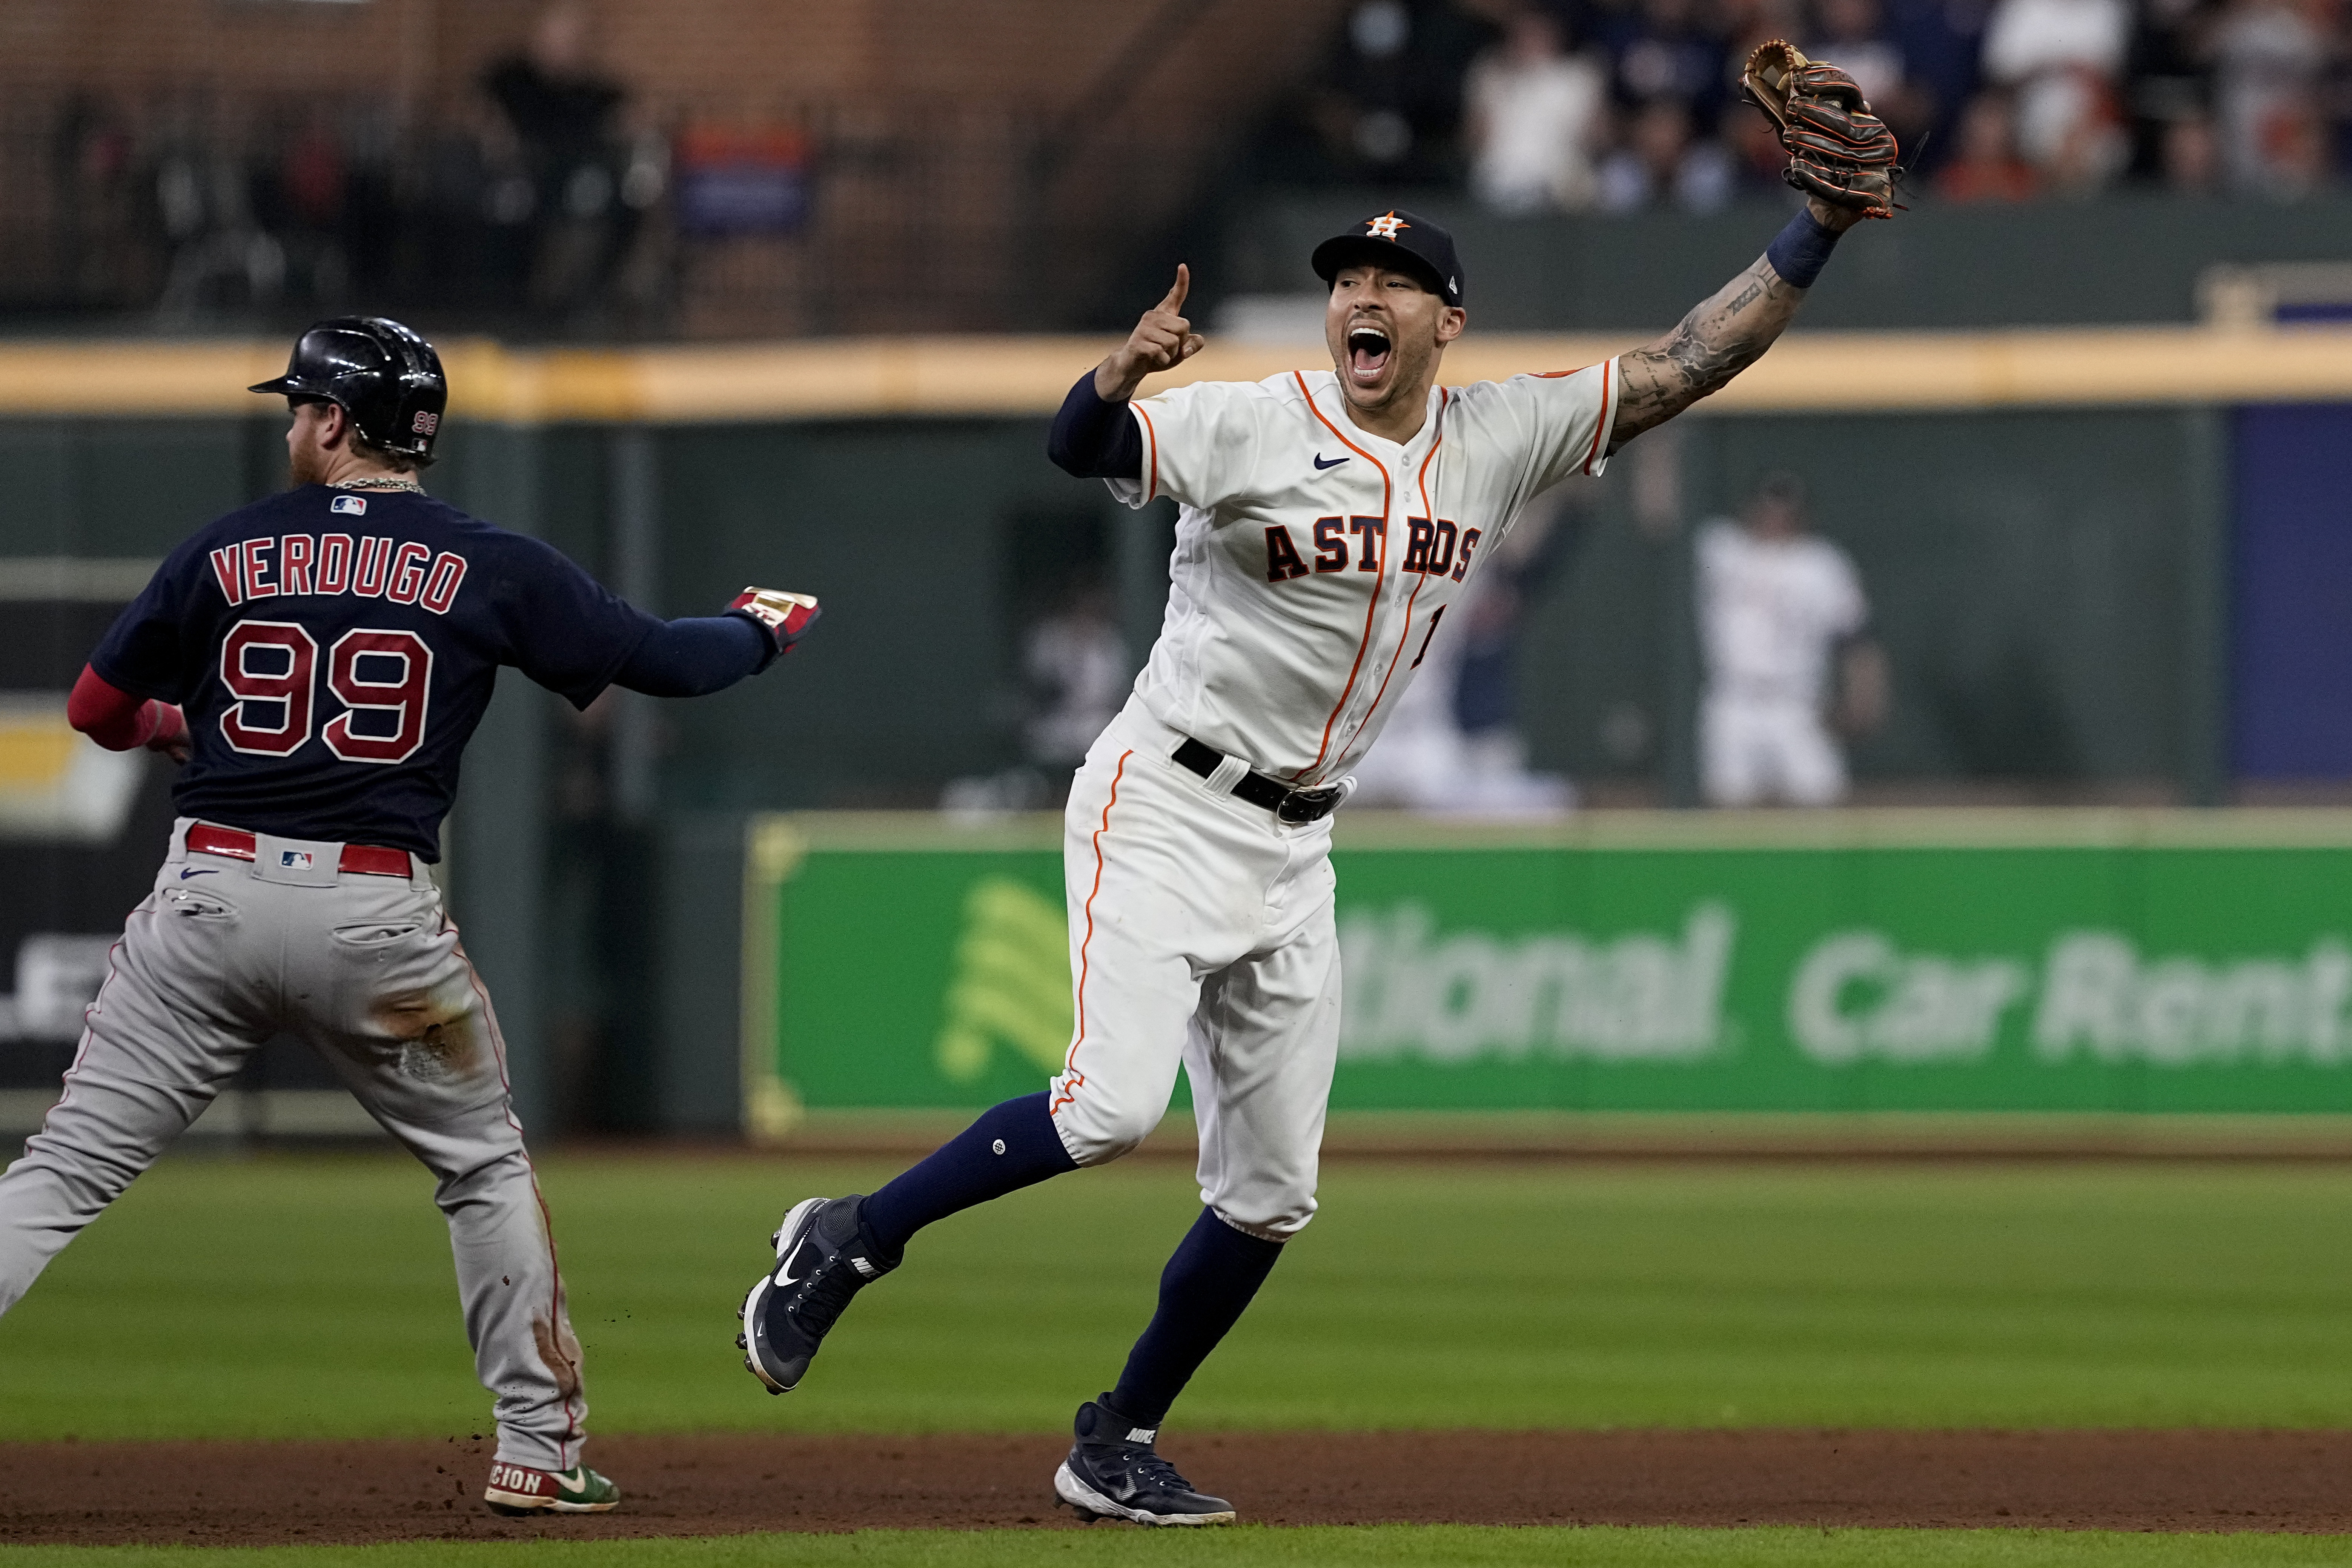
(785, 617)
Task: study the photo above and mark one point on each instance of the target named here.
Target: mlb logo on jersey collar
(356, 505)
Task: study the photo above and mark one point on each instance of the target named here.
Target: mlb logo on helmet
(294, 859)
(356, 505)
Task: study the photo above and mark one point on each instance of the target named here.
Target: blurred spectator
(2169, 76)
(2269, 60)
(564, 117)
(1943, 46)
(305, 207)
(1660, 162)
(1485, 693)
(1853, 34)
(1670, 57)
(98, 253)
(1373, 122)
(221, 256)
(1782, 616)
(1986, 167)
(1075, 673)
(1078, 671)
(1391, 104)
(1672, 75)
(2191, 156)
(1533, 112)
(1756, 154)
(1453, 747)
(2062, 60)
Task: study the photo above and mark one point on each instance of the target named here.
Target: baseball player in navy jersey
(317, 662)
(1328, 520)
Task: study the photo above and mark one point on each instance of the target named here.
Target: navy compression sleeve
(1093, 439)
(695, 657)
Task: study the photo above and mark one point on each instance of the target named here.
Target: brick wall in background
(980, 166)
(755, 52)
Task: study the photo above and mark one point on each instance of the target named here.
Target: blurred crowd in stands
(529, 200)
(544, 195)
(1615, 105)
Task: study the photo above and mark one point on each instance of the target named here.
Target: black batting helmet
(385, 377)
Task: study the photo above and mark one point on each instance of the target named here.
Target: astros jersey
(1770, 609)
(333, 650)
(1314, 560)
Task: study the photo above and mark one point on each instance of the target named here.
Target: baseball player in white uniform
(1775, 603)
(1329, 520)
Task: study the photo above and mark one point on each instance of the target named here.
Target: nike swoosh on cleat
(1332, 464)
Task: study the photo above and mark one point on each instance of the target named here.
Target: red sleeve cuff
(108, 714)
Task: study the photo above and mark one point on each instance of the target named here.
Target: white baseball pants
(1753, 750)
(367, 969)
(1200, 931)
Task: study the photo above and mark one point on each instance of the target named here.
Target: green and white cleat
(518, 1488)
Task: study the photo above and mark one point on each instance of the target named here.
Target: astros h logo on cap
(1400, 241)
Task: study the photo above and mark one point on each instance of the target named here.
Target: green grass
(1440, 1546)
(305, 1297)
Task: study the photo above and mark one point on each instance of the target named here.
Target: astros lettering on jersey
(1314, 560)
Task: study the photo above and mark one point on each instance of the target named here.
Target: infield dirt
(225, 1494)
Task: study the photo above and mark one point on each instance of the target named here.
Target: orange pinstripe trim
(1072, 1082)
(1404, 638)
(1151, 476)
(1387, 504)
(1608, 386)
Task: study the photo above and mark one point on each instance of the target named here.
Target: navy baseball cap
(1400, 240)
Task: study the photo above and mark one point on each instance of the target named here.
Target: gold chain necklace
(375, 484)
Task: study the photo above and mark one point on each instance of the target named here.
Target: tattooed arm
(1716, 341)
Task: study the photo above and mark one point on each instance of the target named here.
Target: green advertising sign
(2064, 961)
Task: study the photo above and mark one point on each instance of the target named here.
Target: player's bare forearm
(1723, 336)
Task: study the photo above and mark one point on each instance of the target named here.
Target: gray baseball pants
(368, 969)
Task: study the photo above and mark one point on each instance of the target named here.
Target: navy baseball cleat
(1113, 1472)
(823, 1258)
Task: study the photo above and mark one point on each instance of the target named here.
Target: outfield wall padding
(2079, 962)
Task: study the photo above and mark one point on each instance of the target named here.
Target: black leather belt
(1292, 805)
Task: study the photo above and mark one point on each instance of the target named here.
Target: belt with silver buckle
(1291, 805)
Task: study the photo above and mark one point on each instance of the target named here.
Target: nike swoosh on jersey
(199, 871)
(1332, 464)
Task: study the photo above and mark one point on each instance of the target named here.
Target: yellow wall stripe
(863, 377)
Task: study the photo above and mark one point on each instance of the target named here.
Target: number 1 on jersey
(270, 667)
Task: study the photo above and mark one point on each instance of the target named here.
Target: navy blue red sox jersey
(332, 651)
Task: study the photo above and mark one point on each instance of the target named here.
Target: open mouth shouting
(1368, 354)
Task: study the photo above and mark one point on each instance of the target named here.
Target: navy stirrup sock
(1215, 1271)
(1012, 1145)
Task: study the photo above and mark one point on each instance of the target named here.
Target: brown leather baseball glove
(1838, 150)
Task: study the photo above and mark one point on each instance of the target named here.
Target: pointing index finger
(1175, 301)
